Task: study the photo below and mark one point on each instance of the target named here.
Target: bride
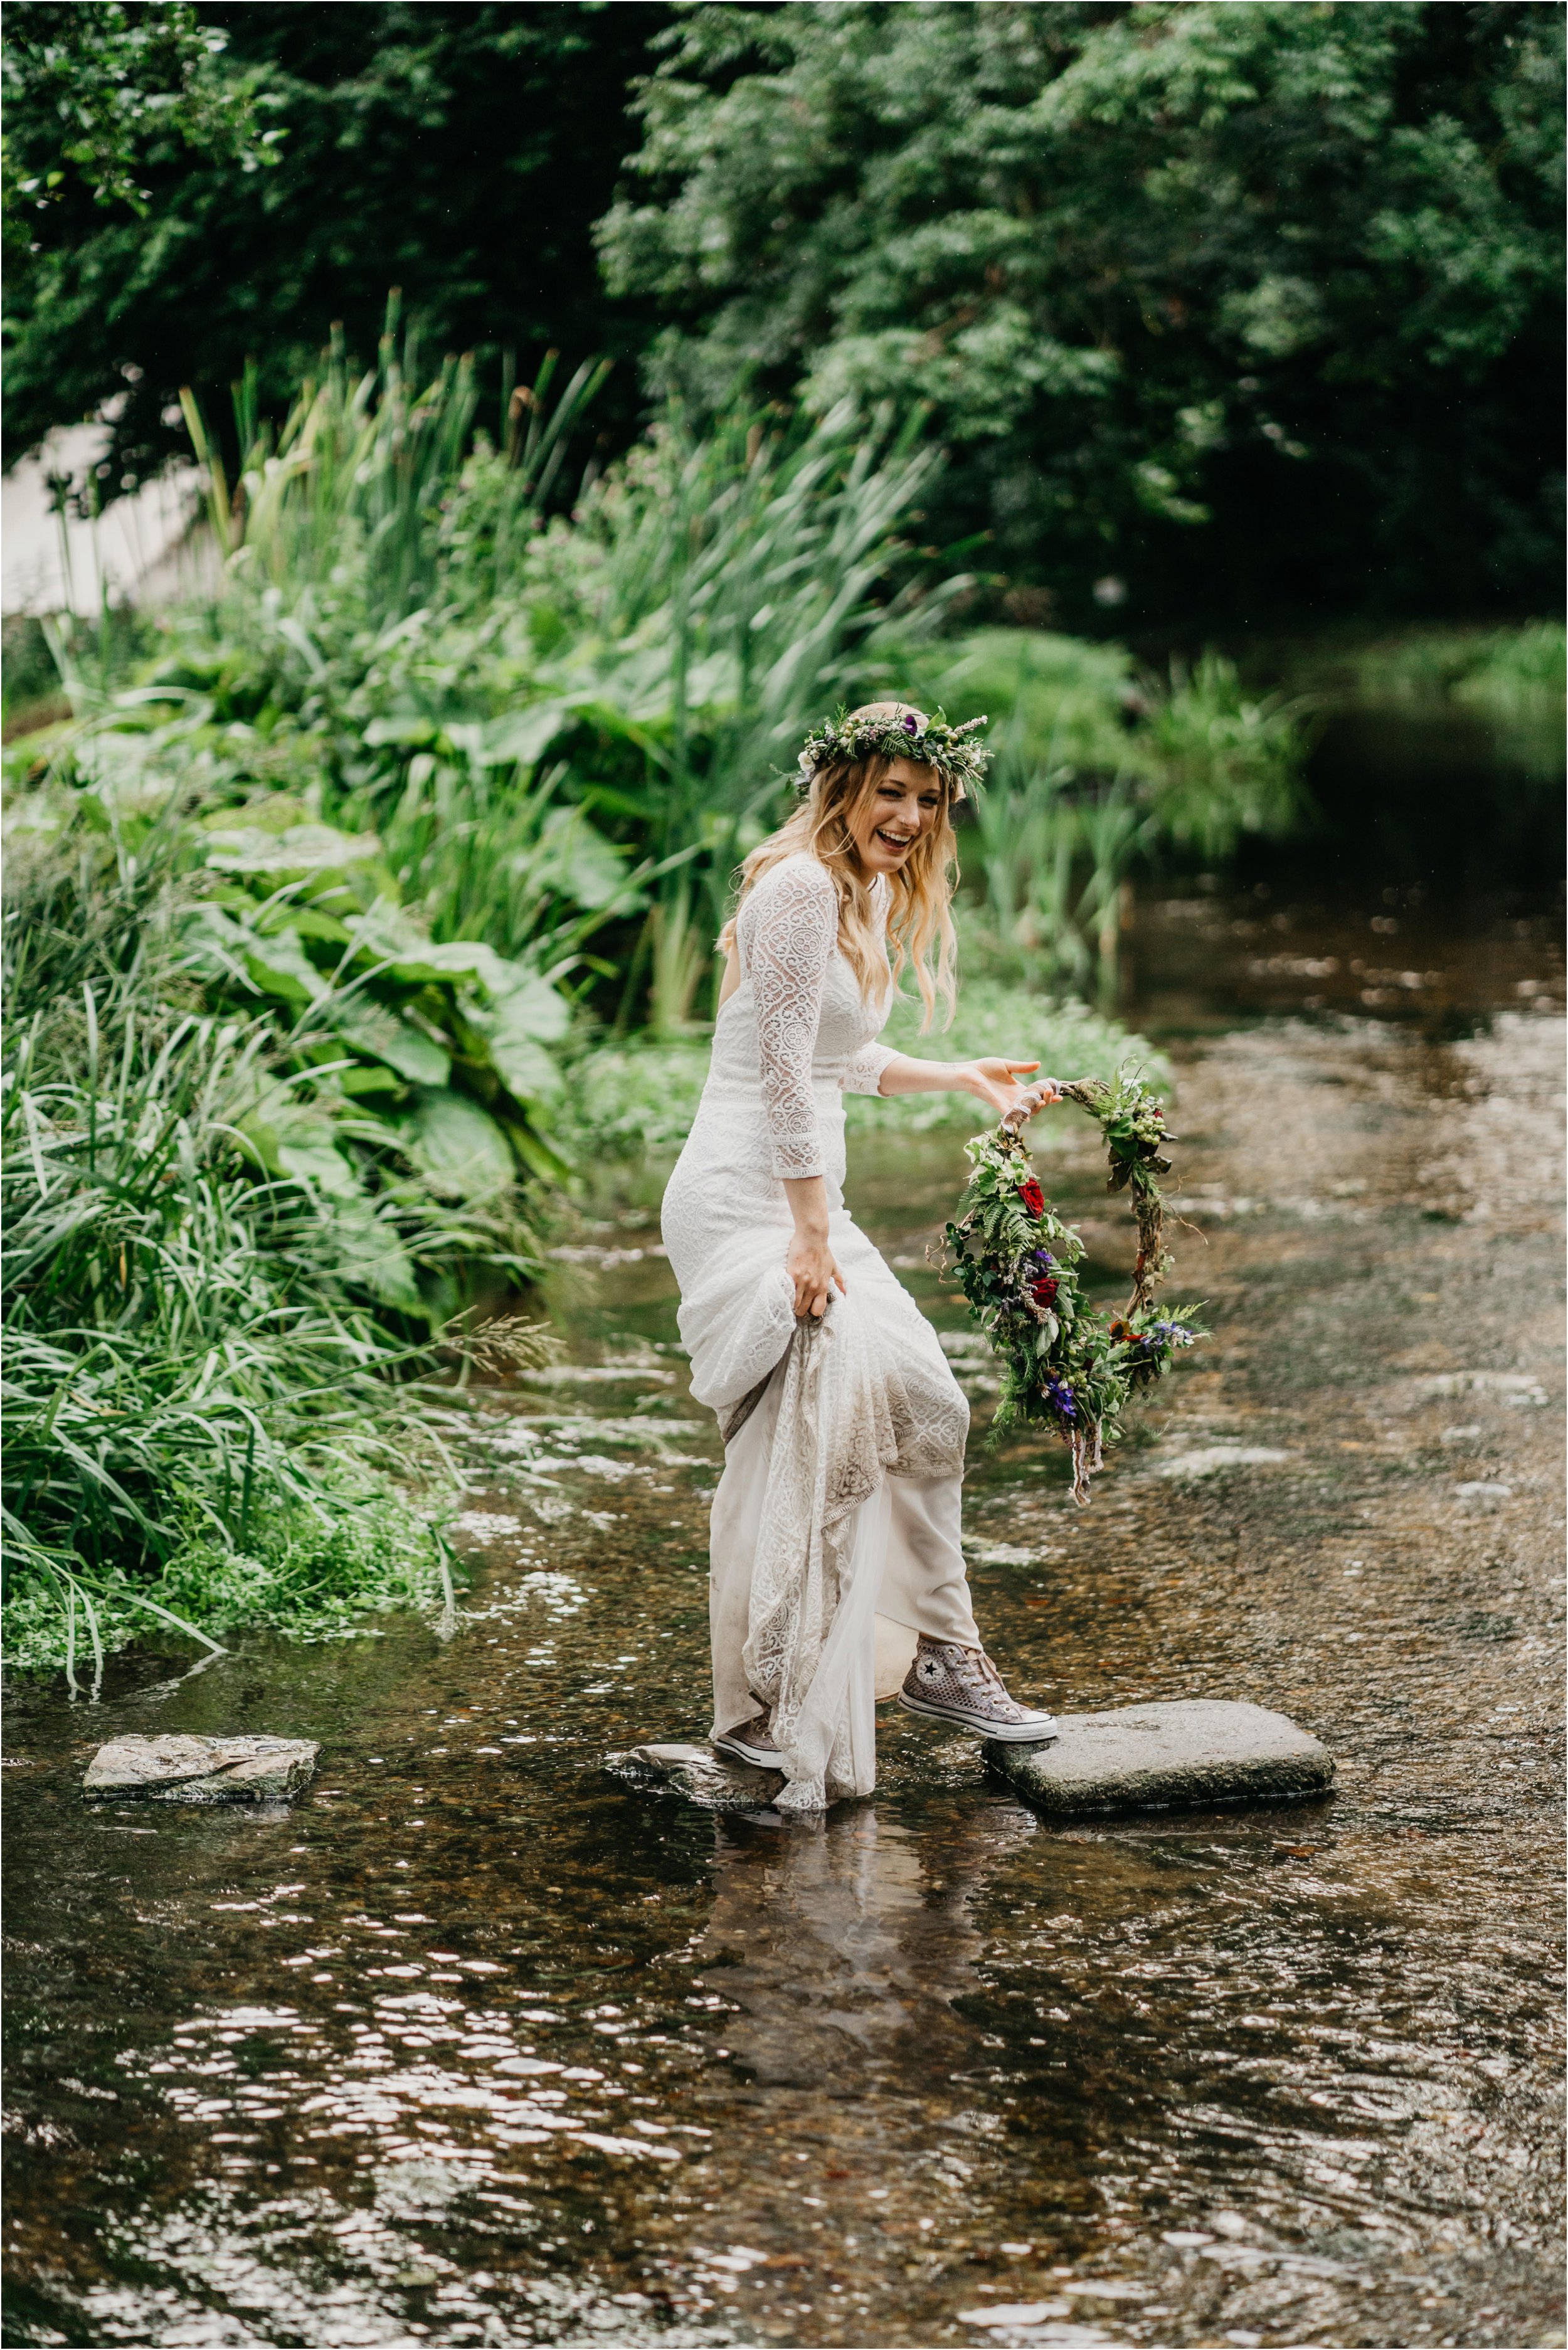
(835, 1532)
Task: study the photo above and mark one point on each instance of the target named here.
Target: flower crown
(959, 761)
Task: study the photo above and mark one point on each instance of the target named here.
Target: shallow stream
(473, 2044)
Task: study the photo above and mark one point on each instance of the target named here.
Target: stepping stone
(180, 1770)
(695, 1775)
(1185, 1755)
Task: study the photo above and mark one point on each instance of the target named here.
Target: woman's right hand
(811, 1267)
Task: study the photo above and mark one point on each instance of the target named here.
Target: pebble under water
(472, 2045)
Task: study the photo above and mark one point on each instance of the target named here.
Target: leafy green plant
(217, 1259)
(1097, 767)
(364, 471)
(1505, 671)
(712, 598)
(432, 1052)
(1224, 762)
(477, 687)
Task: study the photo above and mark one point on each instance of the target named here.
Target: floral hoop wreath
(907, 734)
(1066, 1366)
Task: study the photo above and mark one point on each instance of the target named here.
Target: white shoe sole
(735, 1750)
(1037, 1732)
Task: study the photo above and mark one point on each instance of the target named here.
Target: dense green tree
(1255, 305)
(95, 88)
(460, 152)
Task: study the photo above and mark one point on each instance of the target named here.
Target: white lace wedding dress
(844, 1439)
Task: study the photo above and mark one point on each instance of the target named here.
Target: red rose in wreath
(1032, 1197)
(1044, 1291)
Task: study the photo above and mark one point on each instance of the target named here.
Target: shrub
(203, 1330)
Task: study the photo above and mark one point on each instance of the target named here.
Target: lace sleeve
(794, 931)
(864, 1075)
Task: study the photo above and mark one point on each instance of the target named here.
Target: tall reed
(364, 467)
(747, 581)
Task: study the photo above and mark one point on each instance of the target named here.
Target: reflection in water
(842, 1947)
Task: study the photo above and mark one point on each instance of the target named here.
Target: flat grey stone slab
(1184, 1756)
(695, 1775)
(175, 1769)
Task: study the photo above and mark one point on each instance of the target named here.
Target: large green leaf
(390, 938)
(408, 727)
(319, 1167)
(458, 1145)
(215, 946)
(523, 736)
(387, 934)
(279, 966)
(371, 1029)
(304, 848)
(279, 1123)
(519, 1060)
(588, 867)
(370, 1253)
(530, 1007)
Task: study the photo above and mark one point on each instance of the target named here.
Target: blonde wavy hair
(920, 918)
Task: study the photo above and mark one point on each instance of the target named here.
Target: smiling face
(903, 805)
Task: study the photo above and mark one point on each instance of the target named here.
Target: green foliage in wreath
(1067, 1366)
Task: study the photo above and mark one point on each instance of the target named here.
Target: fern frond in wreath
(1065, 1364)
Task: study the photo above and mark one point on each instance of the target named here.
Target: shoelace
(975, 1670)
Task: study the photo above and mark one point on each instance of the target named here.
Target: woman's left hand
(1007, 1086)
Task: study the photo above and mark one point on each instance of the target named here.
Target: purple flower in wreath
(911, 723)
(1044, 1256)
(1060, 1396)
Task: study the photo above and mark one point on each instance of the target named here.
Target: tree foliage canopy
(1155, 267)
(1217, 310)
(93, 92)
(461, 153)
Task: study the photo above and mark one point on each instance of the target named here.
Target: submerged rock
(695, 1775)
(175, 1769)
(1190, 1752)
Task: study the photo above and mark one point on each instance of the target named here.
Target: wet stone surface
(472, 2045)
(694, 1774)
(1177, 1756)
(184, 1770)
